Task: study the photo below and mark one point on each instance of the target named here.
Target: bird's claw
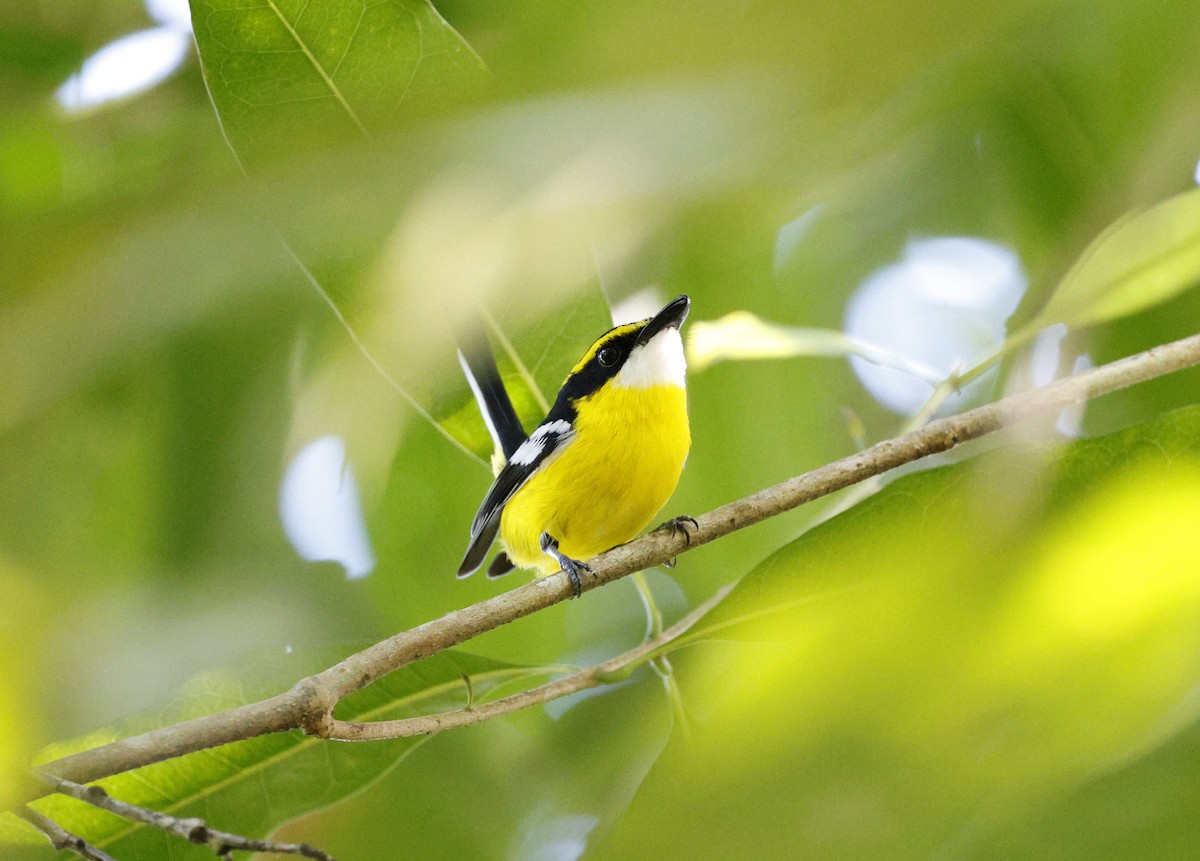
(574, 569)
(682, 525)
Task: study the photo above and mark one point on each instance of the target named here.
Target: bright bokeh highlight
(321, 509)
(943, 305)
(126, 67)
(134, 63)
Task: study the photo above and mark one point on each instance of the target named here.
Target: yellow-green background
(993, 660)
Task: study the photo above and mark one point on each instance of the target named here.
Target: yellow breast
(609, 483)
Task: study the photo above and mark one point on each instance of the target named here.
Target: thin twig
(62, 839)
(593, 676)
(191, 829)
(661, 665)
(309, 705)
(654, 616)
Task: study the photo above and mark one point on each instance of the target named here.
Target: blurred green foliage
(891, 684)
(991, 659)
(261, 783)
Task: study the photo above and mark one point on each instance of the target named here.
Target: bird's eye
(608, 356)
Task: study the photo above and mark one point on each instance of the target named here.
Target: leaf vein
(362, 13)
(333, 88)
(298, 742)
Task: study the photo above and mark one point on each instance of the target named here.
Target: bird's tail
(479, 366)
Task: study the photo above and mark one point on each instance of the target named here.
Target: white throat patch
(658, 362)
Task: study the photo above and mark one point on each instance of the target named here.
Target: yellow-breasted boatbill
(601, 464)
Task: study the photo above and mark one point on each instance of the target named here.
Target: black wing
(544, 444)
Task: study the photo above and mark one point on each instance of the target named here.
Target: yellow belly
(608, 484)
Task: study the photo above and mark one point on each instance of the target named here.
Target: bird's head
(636, 355)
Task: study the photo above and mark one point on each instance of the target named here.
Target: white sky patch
(1070, 420)
(545, 836)
(1044, 358)
(171, 13)
(943, 305)
(130, 65)
(134, 63)
(1044, 354)
(641, 305)
(1196, 175)
(321, 510)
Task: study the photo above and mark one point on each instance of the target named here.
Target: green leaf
(465, 423)
(740, 336)
(287, 74)
(534, 355)
(1141, 260)
(288, 77)
(550, 341)
(252, 787)
(945, 660)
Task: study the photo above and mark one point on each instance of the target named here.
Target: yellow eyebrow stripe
(604, 339)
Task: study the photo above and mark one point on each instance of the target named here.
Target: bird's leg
(573, 567)
(681, 525)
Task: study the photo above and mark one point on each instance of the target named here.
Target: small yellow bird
(601, 464)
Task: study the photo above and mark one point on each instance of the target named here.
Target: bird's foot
(682, 525)
(573, 568)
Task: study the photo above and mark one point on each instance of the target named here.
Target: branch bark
(594, 676)
(196, 831)
(309, 705)
(62, 839)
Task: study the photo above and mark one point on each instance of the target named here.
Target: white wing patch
(659, 362)
(532, 448)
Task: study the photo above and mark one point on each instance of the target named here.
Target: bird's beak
(670, 317)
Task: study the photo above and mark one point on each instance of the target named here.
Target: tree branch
(309, 705)
(594, 676)
(62, 839)
(193, 830)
